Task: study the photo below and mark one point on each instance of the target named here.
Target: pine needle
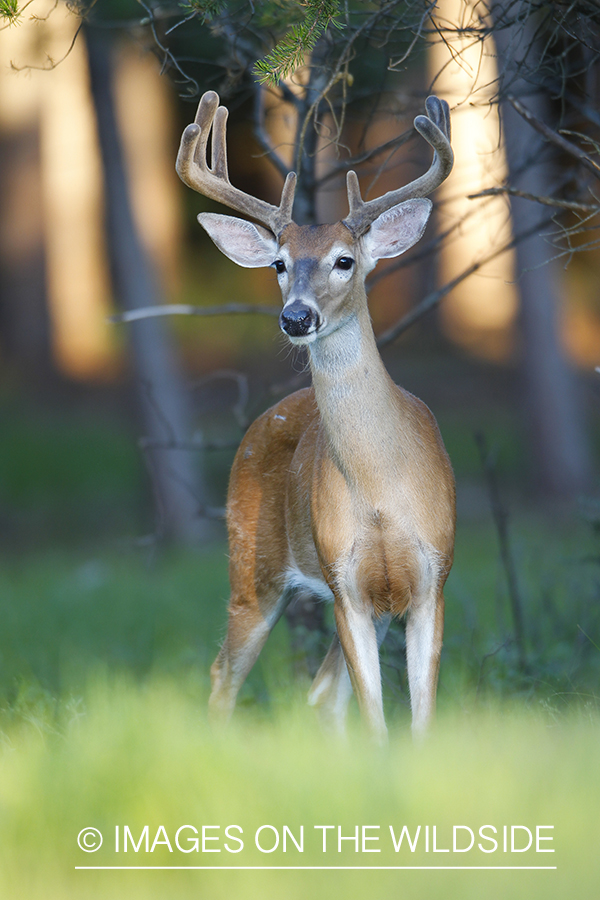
(290, 52)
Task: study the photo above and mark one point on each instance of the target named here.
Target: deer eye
(279, 266)
(344, 262)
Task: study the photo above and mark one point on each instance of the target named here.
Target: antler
(435, 128)
(193, 169)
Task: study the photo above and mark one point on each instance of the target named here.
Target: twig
(51, 63)
(425, 306)
(593, 643)
(168, 57)
(367, 155)
(500, 517)
(341, 62)
(432, 299)
(545, 201)
(240, 407)
(487, 656)
(184, 309)
(425, 250)
(393, 65)
(555, 138)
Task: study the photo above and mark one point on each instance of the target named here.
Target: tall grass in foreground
(136, 756)
(130, 747)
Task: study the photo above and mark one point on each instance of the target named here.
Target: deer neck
(357, 400)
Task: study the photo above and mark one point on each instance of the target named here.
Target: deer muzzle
(299, 319)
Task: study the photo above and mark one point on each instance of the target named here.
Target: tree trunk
(24, 317)
(163, 402)
(307, 144)
(552, 402)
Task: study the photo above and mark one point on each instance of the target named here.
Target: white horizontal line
(321, 868)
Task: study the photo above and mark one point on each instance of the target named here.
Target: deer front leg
(424, 632)
(358, 639)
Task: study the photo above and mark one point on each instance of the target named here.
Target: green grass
(135, 756)
(65, 612)
(558, 578)
(65, 476)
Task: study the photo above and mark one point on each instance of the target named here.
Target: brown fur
(347, 484)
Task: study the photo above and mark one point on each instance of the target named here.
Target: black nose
(297, 319)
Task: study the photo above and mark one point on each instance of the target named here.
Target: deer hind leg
(331, 689)
(248, 629)
(358, 639)
(424, 632)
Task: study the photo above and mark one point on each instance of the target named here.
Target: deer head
(320, 268)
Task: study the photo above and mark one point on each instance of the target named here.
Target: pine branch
(9, 10)
(205, 10)
(290, 52)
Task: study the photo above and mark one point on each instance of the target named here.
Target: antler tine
(219, 144)
(439, 113)
(435, 128)
(213, 182)
(204, 118)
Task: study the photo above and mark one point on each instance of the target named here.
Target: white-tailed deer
(344, 489)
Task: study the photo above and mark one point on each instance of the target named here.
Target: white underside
(297, 580)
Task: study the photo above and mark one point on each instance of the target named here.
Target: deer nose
(298, 319)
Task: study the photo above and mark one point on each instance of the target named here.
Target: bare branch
(545, 201)
(394, 65)
(184, 309)
(425, 306)
(500, 516)
(51, 63)
(168, 57)
(425, 250)
(433, 299)
(336, 70)
(240, 407)
(353, 161)
(554, 138)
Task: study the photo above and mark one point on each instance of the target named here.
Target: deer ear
(243, 242)
(397, 229)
